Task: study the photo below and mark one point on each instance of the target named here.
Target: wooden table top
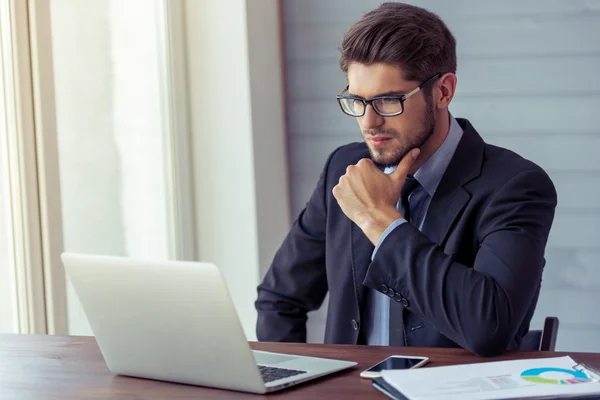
(71, 367)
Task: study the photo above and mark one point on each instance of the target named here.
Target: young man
(423, 235)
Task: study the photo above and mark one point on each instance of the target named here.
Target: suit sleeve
(479, 307)
(296, 281)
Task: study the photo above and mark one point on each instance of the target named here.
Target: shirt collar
(430, 174)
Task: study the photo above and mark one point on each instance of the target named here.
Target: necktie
(410, 184)
(396, 333)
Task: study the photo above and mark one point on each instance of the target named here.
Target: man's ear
(445, 89)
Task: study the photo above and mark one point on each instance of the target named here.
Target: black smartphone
(394, 362)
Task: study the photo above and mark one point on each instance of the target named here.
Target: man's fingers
(405, 164)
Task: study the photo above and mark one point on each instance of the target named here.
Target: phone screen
(395, 363)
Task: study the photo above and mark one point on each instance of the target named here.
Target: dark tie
(396, 333)
(410, 184)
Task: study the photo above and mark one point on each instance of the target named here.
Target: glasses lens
(352, 106)
(388, 106)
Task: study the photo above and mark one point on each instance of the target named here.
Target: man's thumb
(405, 164)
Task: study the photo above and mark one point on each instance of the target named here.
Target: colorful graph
(504, 382)
(536, 375)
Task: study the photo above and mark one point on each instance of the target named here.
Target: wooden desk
(60, 367)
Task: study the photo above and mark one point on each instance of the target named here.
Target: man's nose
(371, 119)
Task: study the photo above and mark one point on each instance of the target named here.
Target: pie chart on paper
(555, 376)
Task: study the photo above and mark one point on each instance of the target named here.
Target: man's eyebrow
(396, 93)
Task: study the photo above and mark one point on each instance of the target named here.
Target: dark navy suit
(470, 278)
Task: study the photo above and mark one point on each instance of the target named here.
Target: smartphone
(394, 362)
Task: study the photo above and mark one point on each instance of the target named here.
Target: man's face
(390, 138)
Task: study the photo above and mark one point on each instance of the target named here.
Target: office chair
(542, 340)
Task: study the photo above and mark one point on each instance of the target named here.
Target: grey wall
(527, 79)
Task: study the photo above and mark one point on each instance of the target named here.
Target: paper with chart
(494, 380)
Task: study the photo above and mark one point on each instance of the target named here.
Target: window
(96, 131)
(7, 303)
(110, 131)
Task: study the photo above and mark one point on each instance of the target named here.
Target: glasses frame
(370, 101)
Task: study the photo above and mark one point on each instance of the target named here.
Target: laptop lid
(165, 320)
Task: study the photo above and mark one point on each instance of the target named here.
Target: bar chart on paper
(503, 382)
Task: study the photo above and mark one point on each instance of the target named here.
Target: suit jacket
(471, 278)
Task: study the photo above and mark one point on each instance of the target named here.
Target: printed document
(544, 377)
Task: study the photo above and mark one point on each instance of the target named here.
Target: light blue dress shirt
(429, 175)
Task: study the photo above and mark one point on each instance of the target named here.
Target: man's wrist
(374, 224)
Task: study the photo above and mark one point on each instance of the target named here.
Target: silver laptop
(174, 321)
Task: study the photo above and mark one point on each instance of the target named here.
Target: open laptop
(174, 321)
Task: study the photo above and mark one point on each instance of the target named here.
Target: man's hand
(368, 196)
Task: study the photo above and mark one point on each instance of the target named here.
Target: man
(424, 235)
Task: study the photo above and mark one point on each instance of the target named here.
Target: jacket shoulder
(350, 153)
(505, 164)
(346, 155)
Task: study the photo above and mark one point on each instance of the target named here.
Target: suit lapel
(450, 197)
(443, 211)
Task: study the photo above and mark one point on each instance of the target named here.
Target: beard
(384, 158)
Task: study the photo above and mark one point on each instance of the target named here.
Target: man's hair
(401, 35)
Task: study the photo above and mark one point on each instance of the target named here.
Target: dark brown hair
(401, 35)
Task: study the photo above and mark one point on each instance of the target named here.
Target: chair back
(542, 340)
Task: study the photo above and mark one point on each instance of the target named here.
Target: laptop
(174, 321)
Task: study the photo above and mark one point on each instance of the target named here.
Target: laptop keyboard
(270, 374)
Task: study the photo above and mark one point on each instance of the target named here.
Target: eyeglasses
(386, 106)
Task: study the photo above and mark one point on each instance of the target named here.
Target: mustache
(375, 132)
